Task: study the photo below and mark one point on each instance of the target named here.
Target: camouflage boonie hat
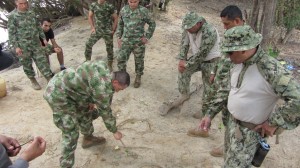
(190, 20)
(240, 38)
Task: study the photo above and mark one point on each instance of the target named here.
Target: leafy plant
(273, 52)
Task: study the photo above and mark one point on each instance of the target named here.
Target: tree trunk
(288, 35)
(269, 13)
(7, 5)
(254, 15)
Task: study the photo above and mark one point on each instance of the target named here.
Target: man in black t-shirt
(54, 48)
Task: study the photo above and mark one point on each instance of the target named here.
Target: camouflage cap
(240, 38)
(190, 20)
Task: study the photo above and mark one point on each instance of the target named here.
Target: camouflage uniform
(197, 62)
(131, 30)
(163, 4)
(222, 73)
(241, 149)
(69, 94)
(24, 32)
(103, 25)
(144, 3)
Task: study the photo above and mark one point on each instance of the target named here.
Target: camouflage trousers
(138, 51)
(108, 39)
(239, 151)
(35, 53)
(70, 119)
(184, 78)
(163, 3)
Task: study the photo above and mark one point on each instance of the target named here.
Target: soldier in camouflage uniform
(24, 32)
(104, 26)
(77, 97)
(163, 4)
(132, 37)
(203, 39)
(231, 16)
(145, 3)
(257, 82)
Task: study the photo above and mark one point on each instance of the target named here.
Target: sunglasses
(229, 52)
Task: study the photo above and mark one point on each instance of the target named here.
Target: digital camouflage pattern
(240, 151)
(24, 32)
(103, 25)
(131, 30)
(184, 78)
(240, 38)
(69, 94)
(209, 38)
(196, 62)
(190, 20)
(222, 73)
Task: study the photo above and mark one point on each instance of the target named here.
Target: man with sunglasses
(257, 81)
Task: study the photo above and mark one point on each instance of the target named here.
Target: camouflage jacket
(286, 116)
(103, 16)
(209, 38)
(132, 22)
(88, 83)
(24, 29)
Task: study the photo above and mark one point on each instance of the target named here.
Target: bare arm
(91, 21)
(53, 42)
(115, 22)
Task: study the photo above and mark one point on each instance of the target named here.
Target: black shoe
(62, 68)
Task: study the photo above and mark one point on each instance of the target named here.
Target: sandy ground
(151, 141)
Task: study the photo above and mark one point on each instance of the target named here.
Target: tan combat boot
(110, 65)
(35, 85)
(217, 152)
(90, 140)
(167, 106)
(197, 133)
(137, 81)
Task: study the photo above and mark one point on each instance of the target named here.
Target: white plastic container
(2, 87)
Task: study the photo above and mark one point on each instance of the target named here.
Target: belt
(212, 60)
(245, 124)
(251, 126)
(238, 133)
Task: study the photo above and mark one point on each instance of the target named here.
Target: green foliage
(293, 19)
(221, 127)
(290, 11)
(273, 52)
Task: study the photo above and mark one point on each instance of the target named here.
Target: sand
(151, 141)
